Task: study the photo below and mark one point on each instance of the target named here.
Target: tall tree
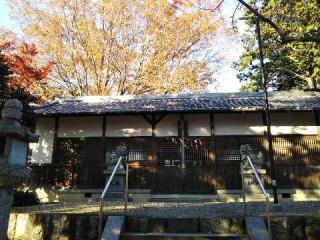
(286, 30)
(123, 46)
(290, 64)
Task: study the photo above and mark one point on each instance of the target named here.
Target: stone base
(250, 181)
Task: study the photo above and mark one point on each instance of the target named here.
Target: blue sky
(226, 80)
(5, 20)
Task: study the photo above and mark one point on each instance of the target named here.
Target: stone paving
(178, 210)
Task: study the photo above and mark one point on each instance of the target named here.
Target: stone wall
(84, 227)
(52, 226)
(299, 227)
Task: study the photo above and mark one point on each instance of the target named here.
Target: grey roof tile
(182, 102)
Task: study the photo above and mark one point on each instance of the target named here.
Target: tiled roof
(180, 103)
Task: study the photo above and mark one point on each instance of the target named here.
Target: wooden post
(104, 142)
(211, 124)
(154, 153)
(212, 156)
(126, 191)
(182, 148)
(55, 138)
(153, 122)
(317, 120)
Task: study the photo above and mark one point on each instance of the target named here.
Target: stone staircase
(139, 228)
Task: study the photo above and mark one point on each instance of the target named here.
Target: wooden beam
(147, 118)
(160, 118)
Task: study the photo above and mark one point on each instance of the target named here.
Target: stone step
(179, 236)
(185, 225)
(184, 198)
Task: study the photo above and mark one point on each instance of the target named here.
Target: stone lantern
(118, 183)
(14, 139)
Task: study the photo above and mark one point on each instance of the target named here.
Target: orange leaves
(20, 60)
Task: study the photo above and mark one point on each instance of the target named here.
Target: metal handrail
(265, 193)
(104, 193)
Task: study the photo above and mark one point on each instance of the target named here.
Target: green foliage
(294, 65)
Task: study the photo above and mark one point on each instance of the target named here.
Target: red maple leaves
(24, 72)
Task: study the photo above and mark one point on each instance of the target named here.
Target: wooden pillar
(55, 138)
(182, 146)
(104, 140)
(317, 120)
(212, 154)
(154, 152)
(153, 123)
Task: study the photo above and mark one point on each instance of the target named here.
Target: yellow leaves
(122, 46)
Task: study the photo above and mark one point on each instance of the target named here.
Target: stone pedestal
(14, 139)
(251, 185)
(119, 180)
(6, 199)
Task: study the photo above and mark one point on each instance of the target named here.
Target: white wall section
(168, 126)
(80, 126)
(293, 123)
(127, 126)
(238, 124)
(42, 151)
(198, 124)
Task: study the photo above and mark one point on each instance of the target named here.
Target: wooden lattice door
(196, 178)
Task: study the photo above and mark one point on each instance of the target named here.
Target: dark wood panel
(68, 176)
(80, 163)
(168, 180)
(308, 177)
(228, 175)
(139, 148)
(141, 175)
(198, 175)
(199, 179)
(227, 148)
(296, 148)
(285, 175)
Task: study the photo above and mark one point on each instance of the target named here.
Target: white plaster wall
(293, 123)
(127, 126)
(80, 126)
(42, 151)
(198, 124)
(238, 124)
(168, 126)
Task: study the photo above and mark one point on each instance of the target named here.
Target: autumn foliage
(22, 72)
(116, 47)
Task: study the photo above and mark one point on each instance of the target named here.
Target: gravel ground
(177, 210)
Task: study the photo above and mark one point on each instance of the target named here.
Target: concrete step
(184, 198)
(179, 236)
